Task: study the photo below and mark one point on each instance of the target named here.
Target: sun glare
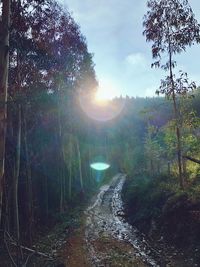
(99, 106)
(105, 92)
(102, 95)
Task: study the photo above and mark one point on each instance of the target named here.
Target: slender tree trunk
(16, 174)
(151, 167)
(70, 169)
(184, 169)
(46, 192)
(29, 181)
(61, 161)
(4, 60)
(158, 167)
(168, 168)
(90, 169)
(10, 173)
(79, 164)
(17, 154)
(179, 152)
(64, 176)
(178, 133)
(61, 190)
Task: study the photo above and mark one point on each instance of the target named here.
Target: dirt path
(101, 241)
(107, 240)
(110, 240)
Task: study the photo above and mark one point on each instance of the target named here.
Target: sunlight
(102, 106)
(106, 92)
(103, 95)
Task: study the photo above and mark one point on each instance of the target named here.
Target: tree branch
(192, 159)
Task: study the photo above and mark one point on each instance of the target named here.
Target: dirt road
(107, 240)
(110, 240)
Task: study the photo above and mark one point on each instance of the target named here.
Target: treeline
(145, 134)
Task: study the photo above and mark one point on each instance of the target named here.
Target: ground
(74, 252)
(102, 239)
(105, 239)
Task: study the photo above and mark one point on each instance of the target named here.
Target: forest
(52, 131)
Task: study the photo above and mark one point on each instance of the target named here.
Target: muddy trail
(111, 241)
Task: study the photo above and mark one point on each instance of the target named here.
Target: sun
(102, 95)
(105, 93)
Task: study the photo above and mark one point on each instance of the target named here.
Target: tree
(49, 64)
(171, 26)
(4, 60)
(153, 150)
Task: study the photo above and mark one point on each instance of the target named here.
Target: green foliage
(144, 198)
(171, 26)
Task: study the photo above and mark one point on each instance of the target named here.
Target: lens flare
(99, 166)
(105, 93)
(103, 110)
(104, 103)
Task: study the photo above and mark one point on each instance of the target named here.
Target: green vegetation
(163, 198)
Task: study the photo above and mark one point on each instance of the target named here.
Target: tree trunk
(151, 167)
(29, 182)
(46, 192)
(79, 164)
(61, 189)
(4, 60)
(169, 168)
(61, 160)
(178, 134)
(70, 169)
(17, 155)
(184, 170)
(179, 157)
(16, 174)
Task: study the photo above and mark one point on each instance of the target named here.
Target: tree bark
(79, 164)
(70, 169)
(184, 170)
(4, 61)
(178, 134)
(29, 181)
(16, 174)
(169, 168)
(61, 156)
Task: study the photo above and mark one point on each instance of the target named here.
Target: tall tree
(171, 26)
(4, 59)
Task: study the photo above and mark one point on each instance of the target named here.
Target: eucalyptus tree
(24, 71)
(49, 62)
(4, 61)
(171, 26)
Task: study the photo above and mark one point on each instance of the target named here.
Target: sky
(113, 29)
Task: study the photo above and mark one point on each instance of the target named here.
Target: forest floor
(105, 239)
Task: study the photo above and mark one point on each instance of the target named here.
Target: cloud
(136, 60)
